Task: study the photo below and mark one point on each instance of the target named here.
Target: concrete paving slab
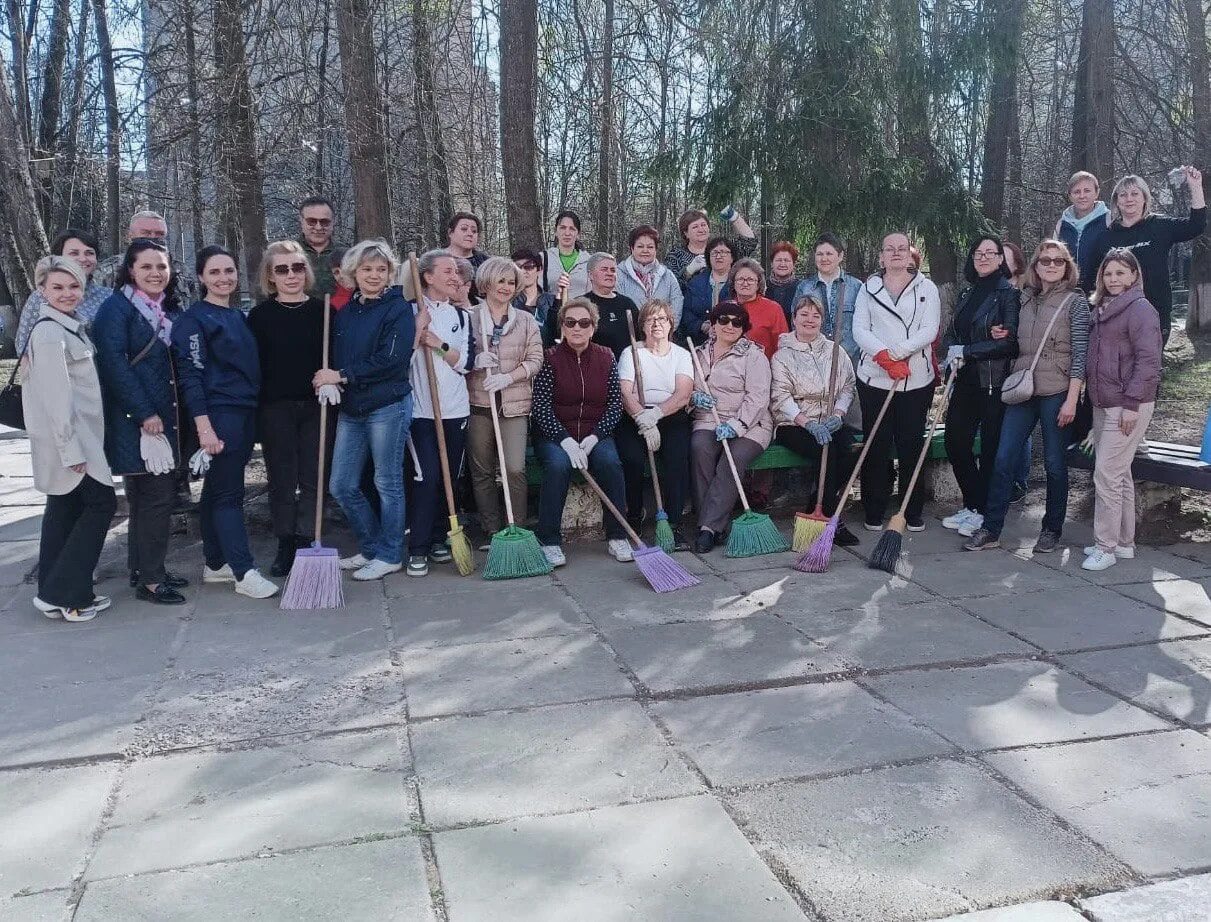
(676, 861)
(369, 880)
(20, 524)
(1186, 597)
(886, 634)
(989, 573)
(779, 733)
(202, 806)
(556, 759)
(1049, 911)
(1150, 564)
(722, 654)
(719, 562)
(37, 907)
(220, 599)
(1192, 550)
(1145, 798)
(841, 588)
(1173, 678)
(589, 563)
(512, 611)
(1080, 618)
(47, 819)
(54, 659)
(17, 559)
(1185, 900)
(443, 582)
(508, 674)
(917, 842)
(717, 599)
(1010, 704)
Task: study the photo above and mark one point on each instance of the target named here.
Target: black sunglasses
(730, 320)
(287, 268)
(584, 323)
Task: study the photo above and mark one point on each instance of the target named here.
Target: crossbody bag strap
(143, 352)
(12, 378)
(1062, 309)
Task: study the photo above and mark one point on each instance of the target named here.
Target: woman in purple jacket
(1122, 372)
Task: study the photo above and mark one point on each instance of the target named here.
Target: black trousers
(672, 464)
(73, 533)
(150, 498)
(290, 439)
(902, 431)
(804, 444)
(973, 409)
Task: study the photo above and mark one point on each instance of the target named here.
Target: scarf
(152, 310)
(647, 277)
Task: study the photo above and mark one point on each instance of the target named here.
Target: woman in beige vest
(61, 398)
(1051, 292)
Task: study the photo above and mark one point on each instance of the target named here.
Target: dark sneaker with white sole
(1048, 542)
(982, 539)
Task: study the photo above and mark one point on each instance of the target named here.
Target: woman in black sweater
(289, 329)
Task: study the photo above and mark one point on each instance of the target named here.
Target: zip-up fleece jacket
(218, 364)
(1123, 367)
(577, 394)
(905, 326)
(372, 349)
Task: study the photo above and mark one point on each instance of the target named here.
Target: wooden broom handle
(866, 443)
(718, 422)
(639, 389)
(832, 392)
(320, 486)
(605, 501)
(434, 399)
(500, 448)
(933, 428)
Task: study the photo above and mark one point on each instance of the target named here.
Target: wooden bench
(1160, 462)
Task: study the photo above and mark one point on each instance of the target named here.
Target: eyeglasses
(661, 319)
(288, 268)
(986, 254)
(527, 267)
(897, 251)
(1051, 261)
(584, 323)
(318, 222)
(730, 321)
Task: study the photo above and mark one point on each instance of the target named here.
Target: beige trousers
(1114, 509)
(481, 455)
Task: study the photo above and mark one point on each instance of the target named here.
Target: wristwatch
(444, 348)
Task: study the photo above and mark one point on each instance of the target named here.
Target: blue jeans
(606, 468)
(221, 511)
(1019, 422)
(426, 524)
(381, 434)
(1022, 475)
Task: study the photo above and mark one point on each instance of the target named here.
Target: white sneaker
(554, 555)
(1122, 553)
(376, 569)
(973, 524)
(621, 551)
(222, 575)
(56, 613)
(356, 562)
(958, 520)
(255, 586)
(1099, 560)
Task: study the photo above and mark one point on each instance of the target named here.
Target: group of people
(602, 365)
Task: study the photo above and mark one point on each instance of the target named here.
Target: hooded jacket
(664, 286)
(218, 363)
(801, 373)
(1082, 236)
(372, 349)
(905, 326)
(1123, 366)
(740, 384)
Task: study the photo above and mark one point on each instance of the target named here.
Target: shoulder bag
(12, 413)
(1019, 386)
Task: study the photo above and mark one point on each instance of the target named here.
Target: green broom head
(664, 532)
(886, 554)
(808, 527)
(753, 534)
(460, 548)
(515, 554)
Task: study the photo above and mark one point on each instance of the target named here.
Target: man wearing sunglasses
(317, 219)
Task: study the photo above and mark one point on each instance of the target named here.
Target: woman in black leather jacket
(984, 363)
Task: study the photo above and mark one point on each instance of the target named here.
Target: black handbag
(12, 413)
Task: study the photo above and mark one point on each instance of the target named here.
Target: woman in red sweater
(767, 318)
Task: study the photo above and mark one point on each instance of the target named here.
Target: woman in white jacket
(896, 320)
(642, 277)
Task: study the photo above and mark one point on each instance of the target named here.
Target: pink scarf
(152, 310)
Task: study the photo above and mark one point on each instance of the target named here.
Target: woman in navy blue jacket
(220, 372)
(374, 338)
(132, 332)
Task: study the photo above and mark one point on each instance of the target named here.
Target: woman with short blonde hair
(369, 251)
(271, 265)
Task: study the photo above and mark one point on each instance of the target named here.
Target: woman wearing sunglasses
(1054, 323)
(738, 375)
(289, 328)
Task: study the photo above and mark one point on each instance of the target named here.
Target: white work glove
(652, 437)
(156, 453)
(954, 356)
(576, 454)
(486, 360)
(199, 462)
(588, 443)
(695, 265)
(648, 418)
(329, 394)
(494, 383)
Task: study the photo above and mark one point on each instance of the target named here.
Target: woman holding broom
(738, 376)
(504, 372)
(803, 378)
(655, 420)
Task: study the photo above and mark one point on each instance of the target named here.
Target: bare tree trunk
(436, 199)
(321, 99)
(195, 134)
(52, 76)
(64, 211)
(363, 120)
(518, 117)
(605, 236)
(1093, 103)
(113, 127)
(22, 236)
(1002, 106)
(20, 52)
(1199, 315)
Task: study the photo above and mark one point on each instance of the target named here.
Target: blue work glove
(728, 213)
(701, 400)
(954, 355)
(832, 423)
(724, 431)
(819, 432)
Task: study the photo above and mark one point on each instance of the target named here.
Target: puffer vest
(1052, 373)
(582, 384)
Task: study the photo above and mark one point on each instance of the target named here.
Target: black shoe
(845, 538)
(679, 542)
(163, 594)
(285, 557)
(705, 541)
(171, 580)
(1017, 492)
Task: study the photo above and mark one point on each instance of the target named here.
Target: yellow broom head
(807, 529)
(460, 548)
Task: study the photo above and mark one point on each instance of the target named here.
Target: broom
(886, 554)
(664, 531)
(515, 552)
(661, 571)
(753, 533)
(815, 559)
(460, 544)
(810, 525)
(315, 576)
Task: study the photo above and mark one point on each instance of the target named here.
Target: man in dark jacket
(317, 220)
